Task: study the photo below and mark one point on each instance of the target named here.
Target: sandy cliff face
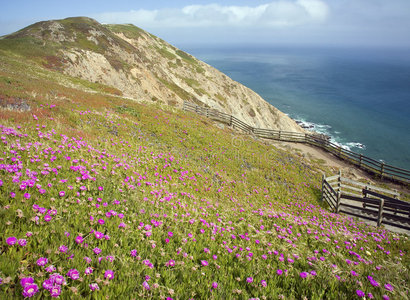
(145, 67)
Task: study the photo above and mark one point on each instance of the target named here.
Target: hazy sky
(271, 22)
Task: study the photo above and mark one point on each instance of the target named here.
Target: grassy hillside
(103, 197)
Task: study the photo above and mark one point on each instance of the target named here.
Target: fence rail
(363, 162)
(368, 202)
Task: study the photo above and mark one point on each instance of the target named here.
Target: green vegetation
(101, 196)
(129, 30)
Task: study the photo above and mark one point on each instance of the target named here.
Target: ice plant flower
(73, 274)
(11, 240)
(303, 274)
(30, 290)
(145, 285)
(214, 285)
(42, 261)
(249, 279)
(79, 239)
(26, 280)
(263, 283)
(55, 291)
(22, 242)
(94, 286)
(133, 252)
(63, 248)
(388, 287)
(109, 274)
(360, 293)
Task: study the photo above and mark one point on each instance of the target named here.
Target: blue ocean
(359, 97)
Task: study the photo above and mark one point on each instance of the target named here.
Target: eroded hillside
(139, 66)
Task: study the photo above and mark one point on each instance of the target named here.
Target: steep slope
(103, 197)
(141, 66)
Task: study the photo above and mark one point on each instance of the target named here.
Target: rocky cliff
(141, 66)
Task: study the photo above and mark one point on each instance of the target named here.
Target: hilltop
(140, 66)
(103, 196)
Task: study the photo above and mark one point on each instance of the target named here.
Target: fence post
(364, 191)
(339, 181)
(382, 170)
(338, 202)
(380, 216)
(323, 187)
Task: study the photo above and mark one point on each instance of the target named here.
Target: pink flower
(134, 253)
(388, 287)
(97, 250)
(204, 263)
(50, 269)
(109, 274)
(100, 188)
(279, 272)
(11, 240)
(98, 235)
(79, 239)
(94, 286)
(30, 290)
(61, 193)
(63, 248)
(73, 274)
(263, 283)
(360, 293)
(22, 242)
(88, 271)
(145, 285)
(55, 291)
(101, 221)
(303, 274)
(249, 279)
(170, 263)
(214, 285)
(42, 261)
(26, 280)
(47, 218)
(27, 196)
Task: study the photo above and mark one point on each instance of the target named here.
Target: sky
(369, 23)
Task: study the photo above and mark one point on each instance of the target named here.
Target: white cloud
(279, 13)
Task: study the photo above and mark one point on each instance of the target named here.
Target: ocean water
(359, 97)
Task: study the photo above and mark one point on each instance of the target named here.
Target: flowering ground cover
(102, 197)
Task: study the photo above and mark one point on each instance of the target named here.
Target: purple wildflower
(360, 293)
(109, 274)
(73, 274)
(30, 290)
(42, 261)
(11, 240)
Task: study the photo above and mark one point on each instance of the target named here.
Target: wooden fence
(366, 201)
(363, 162)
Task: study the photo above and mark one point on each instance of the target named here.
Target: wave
(335, 137)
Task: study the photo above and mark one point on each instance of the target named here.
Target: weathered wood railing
(366, 163)
(368, 202)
